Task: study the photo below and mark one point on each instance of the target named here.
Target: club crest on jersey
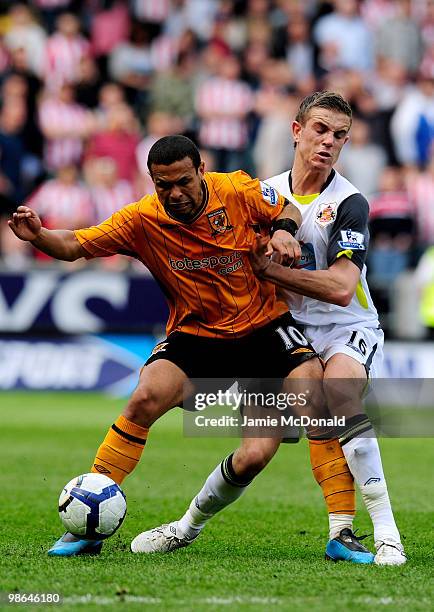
(326, 213)
(219, 222)
(269, 194)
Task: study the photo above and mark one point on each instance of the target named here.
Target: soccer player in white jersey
(329, 297)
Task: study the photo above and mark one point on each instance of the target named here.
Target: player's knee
(316, 405)
(143, 407)
(252, 460)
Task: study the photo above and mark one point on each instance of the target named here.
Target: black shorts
(271, 351)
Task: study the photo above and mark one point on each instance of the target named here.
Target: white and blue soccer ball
(92, 506)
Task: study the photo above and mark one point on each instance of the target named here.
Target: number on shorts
(358, 342)
(290, 336)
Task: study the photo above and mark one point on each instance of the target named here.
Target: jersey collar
(326, 184)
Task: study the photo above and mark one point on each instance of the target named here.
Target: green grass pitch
(264, 552)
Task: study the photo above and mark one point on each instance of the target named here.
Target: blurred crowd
(87, 86)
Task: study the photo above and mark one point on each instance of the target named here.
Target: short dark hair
(170, 149)
(323, 99)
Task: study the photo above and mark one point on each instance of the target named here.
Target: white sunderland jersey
(335, 224)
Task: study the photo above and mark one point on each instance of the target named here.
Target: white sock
(376, 498)
(221, 488)
(364, 460)
(337, 522)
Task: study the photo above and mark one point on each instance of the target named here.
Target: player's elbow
(342, 297)
(345, 300)
(72, 248)
(70, 257)
(67, 254)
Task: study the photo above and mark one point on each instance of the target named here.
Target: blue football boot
(346, 547)
(70, 546)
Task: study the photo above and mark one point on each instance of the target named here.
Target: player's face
(179, 188)
(321, 138)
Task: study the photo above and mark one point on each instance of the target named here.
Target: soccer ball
(92, 506)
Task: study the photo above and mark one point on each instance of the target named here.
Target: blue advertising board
(111, 363)
(84, 363)
(85, 301)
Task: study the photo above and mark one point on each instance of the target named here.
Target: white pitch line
(109, 601)
(214, 600)
(240, 599)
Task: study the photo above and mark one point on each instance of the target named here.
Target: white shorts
(364, 344)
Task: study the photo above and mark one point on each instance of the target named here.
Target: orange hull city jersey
(202, 267)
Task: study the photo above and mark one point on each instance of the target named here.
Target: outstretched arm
(60, 244)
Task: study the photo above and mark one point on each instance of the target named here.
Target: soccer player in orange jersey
(194, 234)
(338, 316)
